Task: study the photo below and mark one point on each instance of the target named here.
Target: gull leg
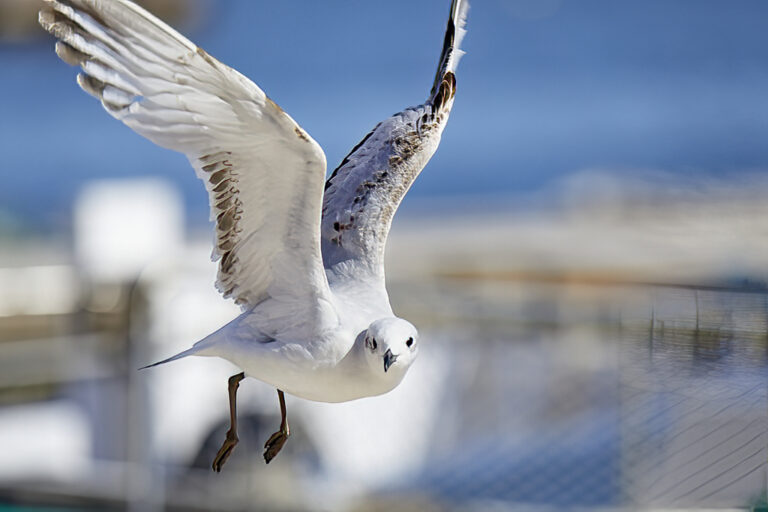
(231, 441)
(276, 441)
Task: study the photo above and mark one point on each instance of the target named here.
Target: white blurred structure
(122, 226)
(45, 441)
(38, 290)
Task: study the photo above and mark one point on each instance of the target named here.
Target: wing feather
(264, 175)
(363, 193)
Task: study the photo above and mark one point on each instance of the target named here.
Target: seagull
(303, 256)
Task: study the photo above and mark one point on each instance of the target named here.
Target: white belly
(296, 371)
(329, 388)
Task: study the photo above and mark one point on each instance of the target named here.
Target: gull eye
(409, 342)
(374, 344)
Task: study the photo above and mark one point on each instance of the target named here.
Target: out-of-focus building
(602, 353)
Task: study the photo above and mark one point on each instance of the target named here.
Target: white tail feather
(201, 348)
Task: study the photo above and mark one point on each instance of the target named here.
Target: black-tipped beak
(389, 359)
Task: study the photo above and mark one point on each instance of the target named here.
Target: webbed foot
(274, 444)
(227, 447)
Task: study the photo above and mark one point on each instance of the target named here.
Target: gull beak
(389, 359)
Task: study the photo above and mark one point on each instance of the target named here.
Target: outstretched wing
(362, 194)
(263, 173)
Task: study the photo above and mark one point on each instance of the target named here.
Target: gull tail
(201, 348)
(444, 86)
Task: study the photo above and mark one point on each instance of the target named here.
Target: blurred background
(585, 258)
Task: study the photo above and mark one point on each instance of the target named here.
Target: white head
(390, 346)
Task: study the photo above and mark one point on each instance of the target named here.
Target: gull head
(391, 345)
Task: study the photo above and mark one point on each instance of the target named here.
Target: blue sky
(547, 88)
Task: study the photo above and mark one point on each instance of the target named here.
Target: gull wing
(363, 193)
(263, 173)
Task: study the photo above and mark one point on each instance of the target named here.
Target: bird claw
(274, 444)
(225, 451)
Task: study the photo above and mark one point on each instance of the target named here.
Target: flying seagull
(303, 256)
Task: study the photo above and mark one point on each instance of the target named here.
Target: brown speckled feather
(363, 193)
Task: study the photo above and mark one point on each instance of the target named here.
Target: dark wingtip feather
(451, 52)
